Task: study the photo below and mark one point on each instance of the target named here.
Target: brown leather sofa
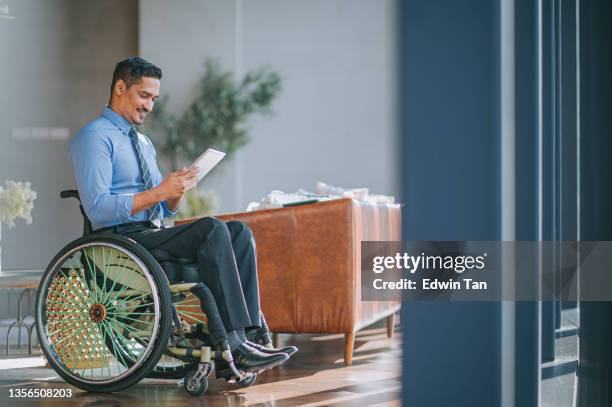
(309, 265)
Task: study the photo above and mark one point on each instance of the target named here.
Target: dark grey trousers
(226, 259)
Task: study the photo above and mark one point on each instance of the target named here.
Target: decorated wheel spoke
(121, 304)
(90, 268)
(119, 275)
(131, 331)
(195, 316)
(63, 304)
(142, 321)
(79, 353)
(74, 332)
(101, 312)
(114, 338)
(77, 303)
(64, 328)
(106, 354)
(126, 348)
(70, 285)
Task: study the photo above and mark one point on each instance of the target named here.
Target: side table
(27, 281)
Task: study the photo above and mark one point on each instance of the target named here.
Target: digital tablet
(207, 161)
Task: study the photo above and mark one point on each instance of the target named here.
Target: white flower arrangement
(16, 201)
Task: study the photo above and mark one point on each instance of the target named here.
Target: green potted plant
(216, 118)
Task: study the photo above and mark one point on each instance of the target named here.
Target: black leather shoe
(254, 360)
(260, 336)
(247, 359)
(289, 350)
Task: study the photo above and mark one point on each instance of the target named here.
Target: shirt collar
(117, 119)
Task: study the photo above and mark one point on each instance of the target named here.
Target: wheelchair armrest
(73, 193)
(70, 193)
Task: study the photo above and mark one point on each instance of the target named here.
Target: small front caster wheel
(193, 386)
(247, 381)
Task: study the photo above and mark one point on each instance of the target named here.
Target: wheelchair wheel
(193, 386)
(101, 290)
(169, 367)
(189, 310)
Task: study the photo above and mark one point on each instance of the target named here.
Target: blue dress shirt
(106, 170)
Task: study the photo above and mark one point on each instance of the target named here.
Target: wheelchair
(110, 313)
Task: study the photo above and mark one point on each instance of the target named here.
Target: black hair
(131, 70)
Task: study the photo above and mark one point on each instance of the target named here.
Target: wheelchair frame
(117, 305)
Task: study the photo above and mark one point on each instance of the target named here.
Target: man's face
(136, 101)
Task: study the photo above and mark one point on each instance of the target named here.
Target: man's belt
(147, 224)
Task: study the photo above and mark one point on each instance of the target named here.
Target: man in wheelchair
(122, 192)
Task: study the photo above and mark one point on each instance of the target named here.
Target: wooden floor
(315, 376)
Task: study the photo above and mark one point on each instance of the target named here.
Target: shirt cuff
(125, 202)
(167, 212)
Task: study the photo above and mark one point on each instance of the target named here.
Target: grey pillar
(450, 167)
(595, 361)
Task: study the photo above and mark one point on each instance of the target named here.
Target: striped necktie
(145, 172)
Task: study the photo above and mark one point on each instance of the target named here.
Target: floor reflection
(315, 376)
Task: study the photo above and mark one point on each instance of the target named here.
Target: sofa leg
(276, 340)
(390, 324)
(349, 343)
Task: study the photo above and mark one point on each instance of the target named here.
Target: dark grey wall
(56, 62)
(450, 181)
(595, 360)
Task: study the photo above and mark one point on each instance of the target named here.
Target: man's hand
(171, 190)
(175, 184)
